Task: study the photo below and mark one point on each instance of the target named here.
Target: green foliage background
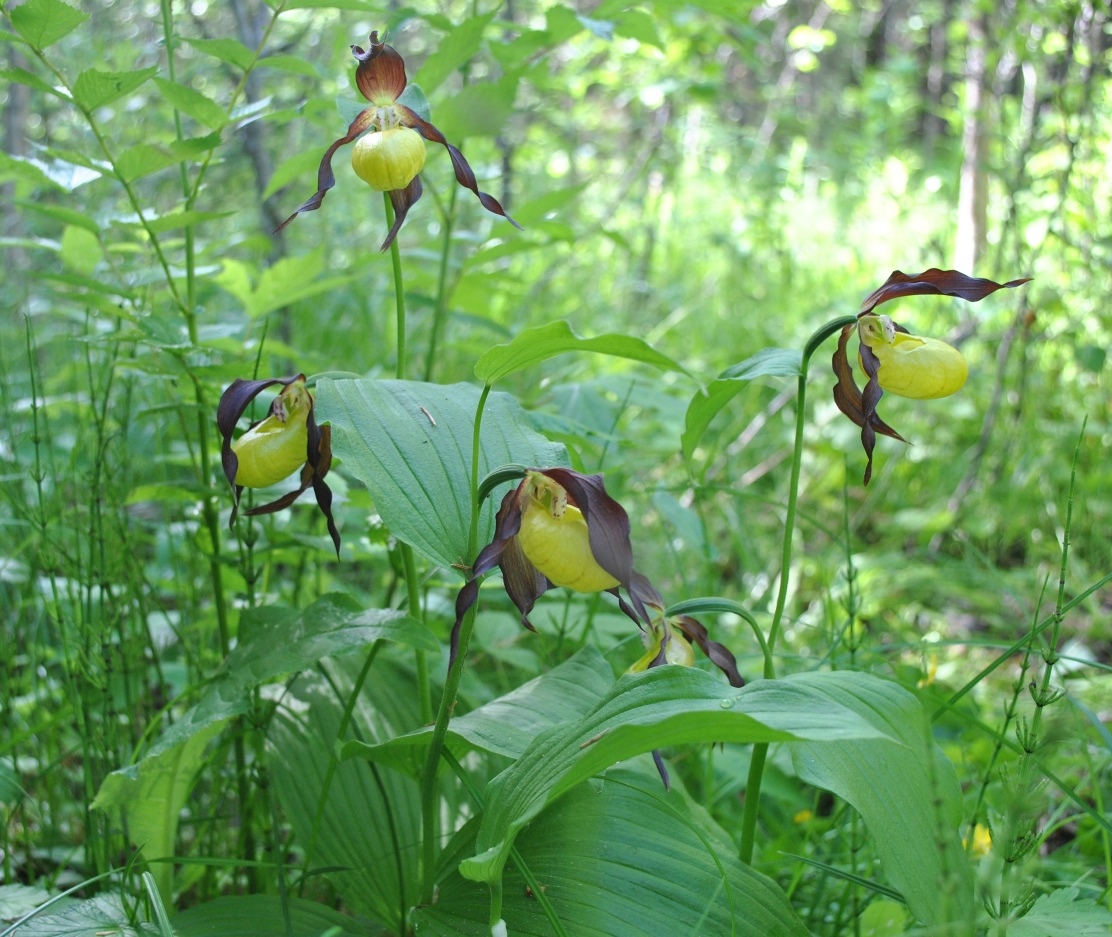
(697, 182)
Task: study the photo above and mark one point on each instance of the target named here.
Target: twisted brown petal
(464, 174)
(935, 282)
(860, 408)
(523, 582)
(402, 200)
(380, 74)
(326, 178)
(718, 654)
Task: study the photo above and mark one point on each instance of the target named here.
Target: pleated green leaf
(665, 706)
(363, 820)
(621, 857)
(907, 793)
(410, 444)
(252, 915)
(507, 725)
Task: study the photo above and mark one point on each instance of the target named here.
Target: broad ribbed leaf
(621, 858)
(369, 826)
(905, 790)
(665, 706)
(536, 345)
(410, 444)
(274, 641)
(507, 725)
(252, 915)
(96, 917)
(150, 796)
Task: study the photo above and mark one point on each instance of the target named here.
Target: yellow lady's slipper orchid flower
(555, 538)
(897, 362)
(910, 366)
(558, 527)
(275, 448)
(287, 440)
(390, 157)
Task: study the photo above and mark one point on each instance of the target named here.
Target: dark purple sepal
(380, 74)
(402, 200)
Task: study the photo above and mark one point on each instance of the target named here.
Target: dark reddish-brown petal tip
(326, 178)
(935, 282)
(402, 200)
(380, 74)
(464, 174)
(718, 654)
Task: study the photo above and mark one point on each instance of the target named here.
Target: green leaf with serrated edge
(507, 725)
(18, 900)
(664, 706)
(60, 213)
(458, 47)
(150, 796)
(410, 444)
(95, 88)
(706, 404)
(252, 915)
(533, 346)
(1063, 914)
(24, 77)
(41, 23)
(192, 103)
(227, 50)
(907, 793)
(620, 857)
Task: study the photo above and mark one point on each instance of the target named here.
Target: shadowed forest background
(216, 729)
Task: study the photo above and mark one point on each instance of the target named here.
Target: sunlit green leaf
(193, 103)
(43, 22)
(453, 50)
(410, 444)
(533, 346)
(621, 857)
(227, 50)
(150, 795)
(660, 707)
(906, 792)
(507, 725)
(95, 88)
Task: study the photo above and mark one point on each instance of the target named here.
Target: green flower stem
(451, 685)
(409, 564)
(760, 750)
(440, 310)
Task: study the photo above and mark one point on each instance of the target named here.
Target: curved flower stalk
(391, 156)
(288, 439)
(897, 361)
(558, 527)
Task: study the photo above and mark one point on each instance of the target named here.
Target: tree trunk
(973, 194)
